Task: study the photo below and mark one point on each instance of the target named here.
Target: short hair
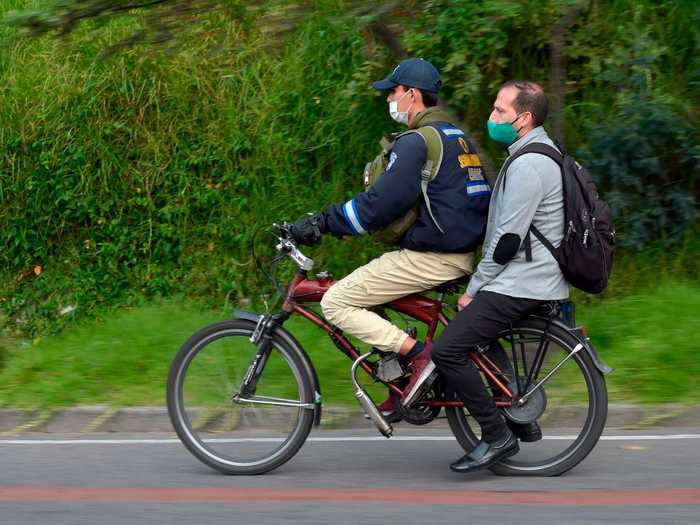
(530, 98)
(430, 99)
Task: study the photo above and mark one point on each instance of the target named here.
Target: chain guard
(419, 413)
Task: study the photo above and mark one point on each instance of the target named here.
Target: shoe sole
(425, 374)
(529, 439)
(491, 463)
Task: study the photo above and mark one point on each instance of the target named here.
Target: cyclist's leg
(477, 324)
(382, 280)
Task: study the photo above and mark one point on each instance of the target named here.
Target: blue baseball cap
(412, 72)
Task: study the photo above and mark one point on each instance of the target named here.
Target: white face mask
(399, 116)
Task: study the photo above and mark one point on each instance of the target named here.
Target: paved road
(631, 477)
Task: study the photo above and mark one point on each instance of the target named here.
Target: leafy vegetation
(149, 174)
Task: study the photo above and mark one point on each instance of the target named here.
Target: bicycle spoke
(576, 350)
(566, 396)
(215, 420)
(542, 348)
(515, 363)
(522, 353)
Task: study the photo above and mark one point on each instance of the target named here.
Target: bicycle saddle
(452, 286)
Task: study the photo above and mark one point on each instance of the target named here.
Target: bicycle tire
(591, 430)
(190, 436)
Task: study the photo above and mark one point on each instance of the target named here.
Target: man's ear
(532, 119)
(417, 95)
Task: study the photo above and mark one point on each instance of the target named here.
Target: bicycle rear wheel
(570, 406)
(230, 435)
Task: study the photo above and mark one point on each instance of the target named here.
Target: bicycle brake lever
(302, 260)
(290, 248)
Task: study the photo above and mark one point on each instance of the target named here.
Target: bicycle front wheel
(233, 435)
(570, 405)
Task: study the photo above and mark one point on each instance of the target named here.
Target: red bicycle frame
(424, 309)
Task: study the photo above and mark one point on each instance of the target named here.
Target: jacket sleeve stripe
(353, 218)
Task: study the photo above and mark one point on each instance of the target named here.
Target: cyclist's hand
(464, 301)
(308, 229)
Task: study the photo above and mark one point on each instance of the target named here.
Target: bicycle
(243, 393)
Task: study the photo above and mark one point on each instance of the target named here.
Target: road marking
(328, 439)
(388, 495)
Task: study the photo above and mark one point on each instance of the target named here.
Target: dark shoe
(486, 454)
(422, 376)
(525, 432)
(389, 409)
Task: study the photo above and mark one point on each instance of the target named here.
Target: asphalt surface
(650, 476)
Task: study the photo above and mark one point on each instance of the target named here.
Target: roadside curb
(89, 419)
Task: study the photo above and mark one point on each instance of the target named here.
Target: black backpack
(585, 255)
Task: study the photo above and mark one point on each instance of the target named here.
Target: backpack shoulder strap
(535, 147)
(435, 151)
(556, 156)
(433, 142)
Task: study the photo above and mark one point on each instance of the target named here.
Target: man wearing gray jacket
(508, 284)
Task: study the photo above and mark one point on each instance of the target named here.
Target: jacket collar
(534, 135)
(430, 115)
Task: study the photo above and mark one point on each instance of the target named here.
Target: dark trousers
(477, 325)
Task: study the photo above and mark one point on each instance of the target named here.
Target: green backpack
(393, 233)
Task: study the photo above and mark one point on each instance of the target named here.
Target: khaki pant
(385, 279)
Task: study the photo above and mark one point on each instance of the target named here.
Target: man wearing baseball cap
(437, 247)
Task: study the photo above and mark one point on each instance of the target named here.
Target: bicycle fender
(291, 341)
(588, 345)
(584, 340)
(245, 315)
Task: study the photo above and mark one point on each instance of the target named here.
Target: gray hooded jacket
(532, 195)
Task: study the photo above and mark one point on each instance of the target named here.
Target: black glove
(308, 229)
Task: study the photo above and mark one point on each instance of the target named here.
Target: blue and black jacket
(459, 196)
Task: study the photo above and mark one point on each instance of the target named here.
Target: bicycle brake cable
(271, 276)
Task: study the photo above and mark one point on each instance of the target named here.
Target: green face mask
(503, 132)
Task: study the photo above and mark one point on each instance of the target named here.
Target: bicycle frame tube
(340, 341)
(424, 309)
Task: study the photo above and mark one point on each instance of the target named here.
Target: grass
(122, 358)
(650, 342)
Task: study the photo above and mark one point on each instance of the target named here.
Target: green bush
(646, 159)
(149, 173)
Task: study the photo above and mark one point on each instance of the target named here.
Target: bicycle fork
(262, 339)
